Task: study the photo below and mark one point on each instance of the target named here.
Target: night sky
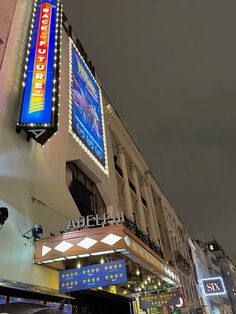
(169, 67)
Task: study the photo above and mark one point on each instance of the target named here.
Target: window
(131, 185)
(117, 167)
(161, 234)
(215, 262)
(144, 201)
(84, 191)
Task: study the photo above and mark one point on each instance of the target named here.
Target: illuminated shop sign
(213, 286)
(86, 122)
(95, 221)
(39, 105)
(88, 277)
(161, 299)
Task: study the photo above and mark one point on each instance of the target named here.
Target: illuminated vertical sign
(39, 106)
(86, 122)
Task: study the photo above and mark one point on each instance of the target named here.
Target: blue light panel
(88, 277)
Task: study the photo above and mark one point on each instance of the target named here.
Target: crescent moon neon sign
(181, 302)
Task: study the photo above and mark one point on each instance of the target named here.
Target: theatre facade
(86, 218)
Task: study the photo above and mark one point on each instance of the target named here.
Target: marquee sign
(88, 277)
(86, 121)
(40, 97)
(161, 299)
(213, 286)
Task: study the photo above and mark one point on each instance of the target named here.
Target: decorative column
(140, 212)
(127, 197)
(150, 217)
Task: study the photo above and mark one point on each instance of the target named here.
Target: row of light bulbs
(59, 12)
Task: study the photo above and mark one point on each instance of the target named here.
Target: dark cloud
(169, 67)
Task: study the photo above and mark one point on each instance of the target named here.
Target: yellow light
(112, 289)
(137, 272)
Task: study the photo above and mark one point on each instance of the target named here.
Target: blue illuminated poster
(88, 277)
(86, 107)
(3, 299)
(67, 308)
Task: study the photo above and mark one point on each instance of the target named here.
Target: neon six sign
(39, 107)
(213, 286)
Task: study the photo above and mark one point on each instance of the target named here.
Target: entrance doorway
(100, 302)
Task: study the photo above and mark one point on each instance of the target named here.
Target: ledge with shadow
(27, 308)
